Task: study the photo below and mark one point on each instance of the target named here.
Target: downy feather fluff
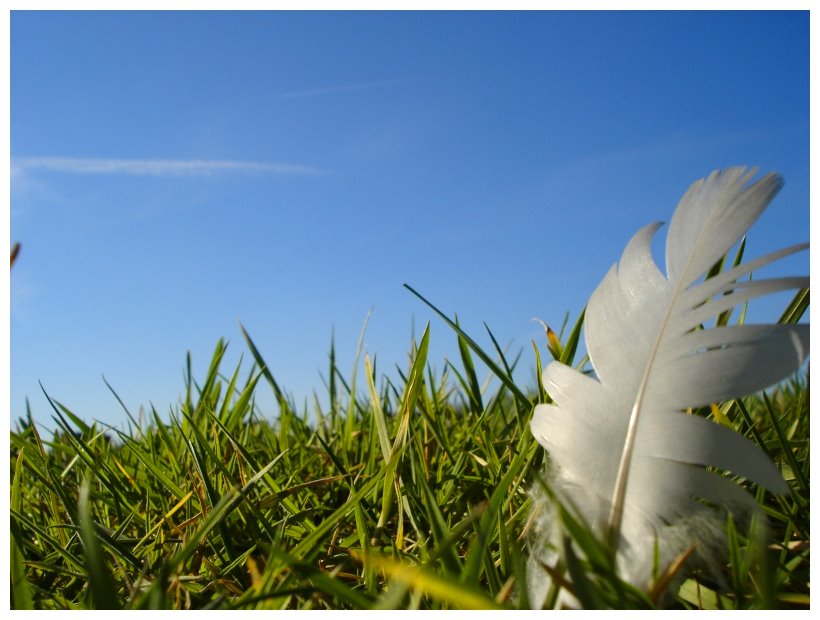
(622, 450)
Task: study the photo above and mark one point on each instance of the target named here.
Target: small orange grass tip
(15, 250)
(554, 345)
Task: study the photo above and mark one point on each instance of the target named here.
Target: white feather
(621, 448)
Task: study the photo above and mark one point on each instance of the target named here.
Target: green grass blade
(473, 385)
(21, 597)
(103, 590)
(498, 372)
(435, 585)
(263, 367)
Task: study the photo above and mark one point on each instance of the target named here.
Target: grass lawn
(407, 494)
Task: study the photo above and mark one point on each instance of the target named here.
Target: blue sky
(174, 174)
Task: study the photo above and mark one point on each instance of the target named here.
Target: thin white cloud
(342, 88)
(155, 167)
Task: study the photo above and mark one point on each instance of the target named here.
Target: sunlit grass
(408, 493)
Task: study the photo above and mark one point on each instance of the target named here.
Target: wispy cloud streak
(342, 88)
(155, 167)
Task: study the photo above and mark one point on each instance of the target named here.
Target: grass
(400, 494)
